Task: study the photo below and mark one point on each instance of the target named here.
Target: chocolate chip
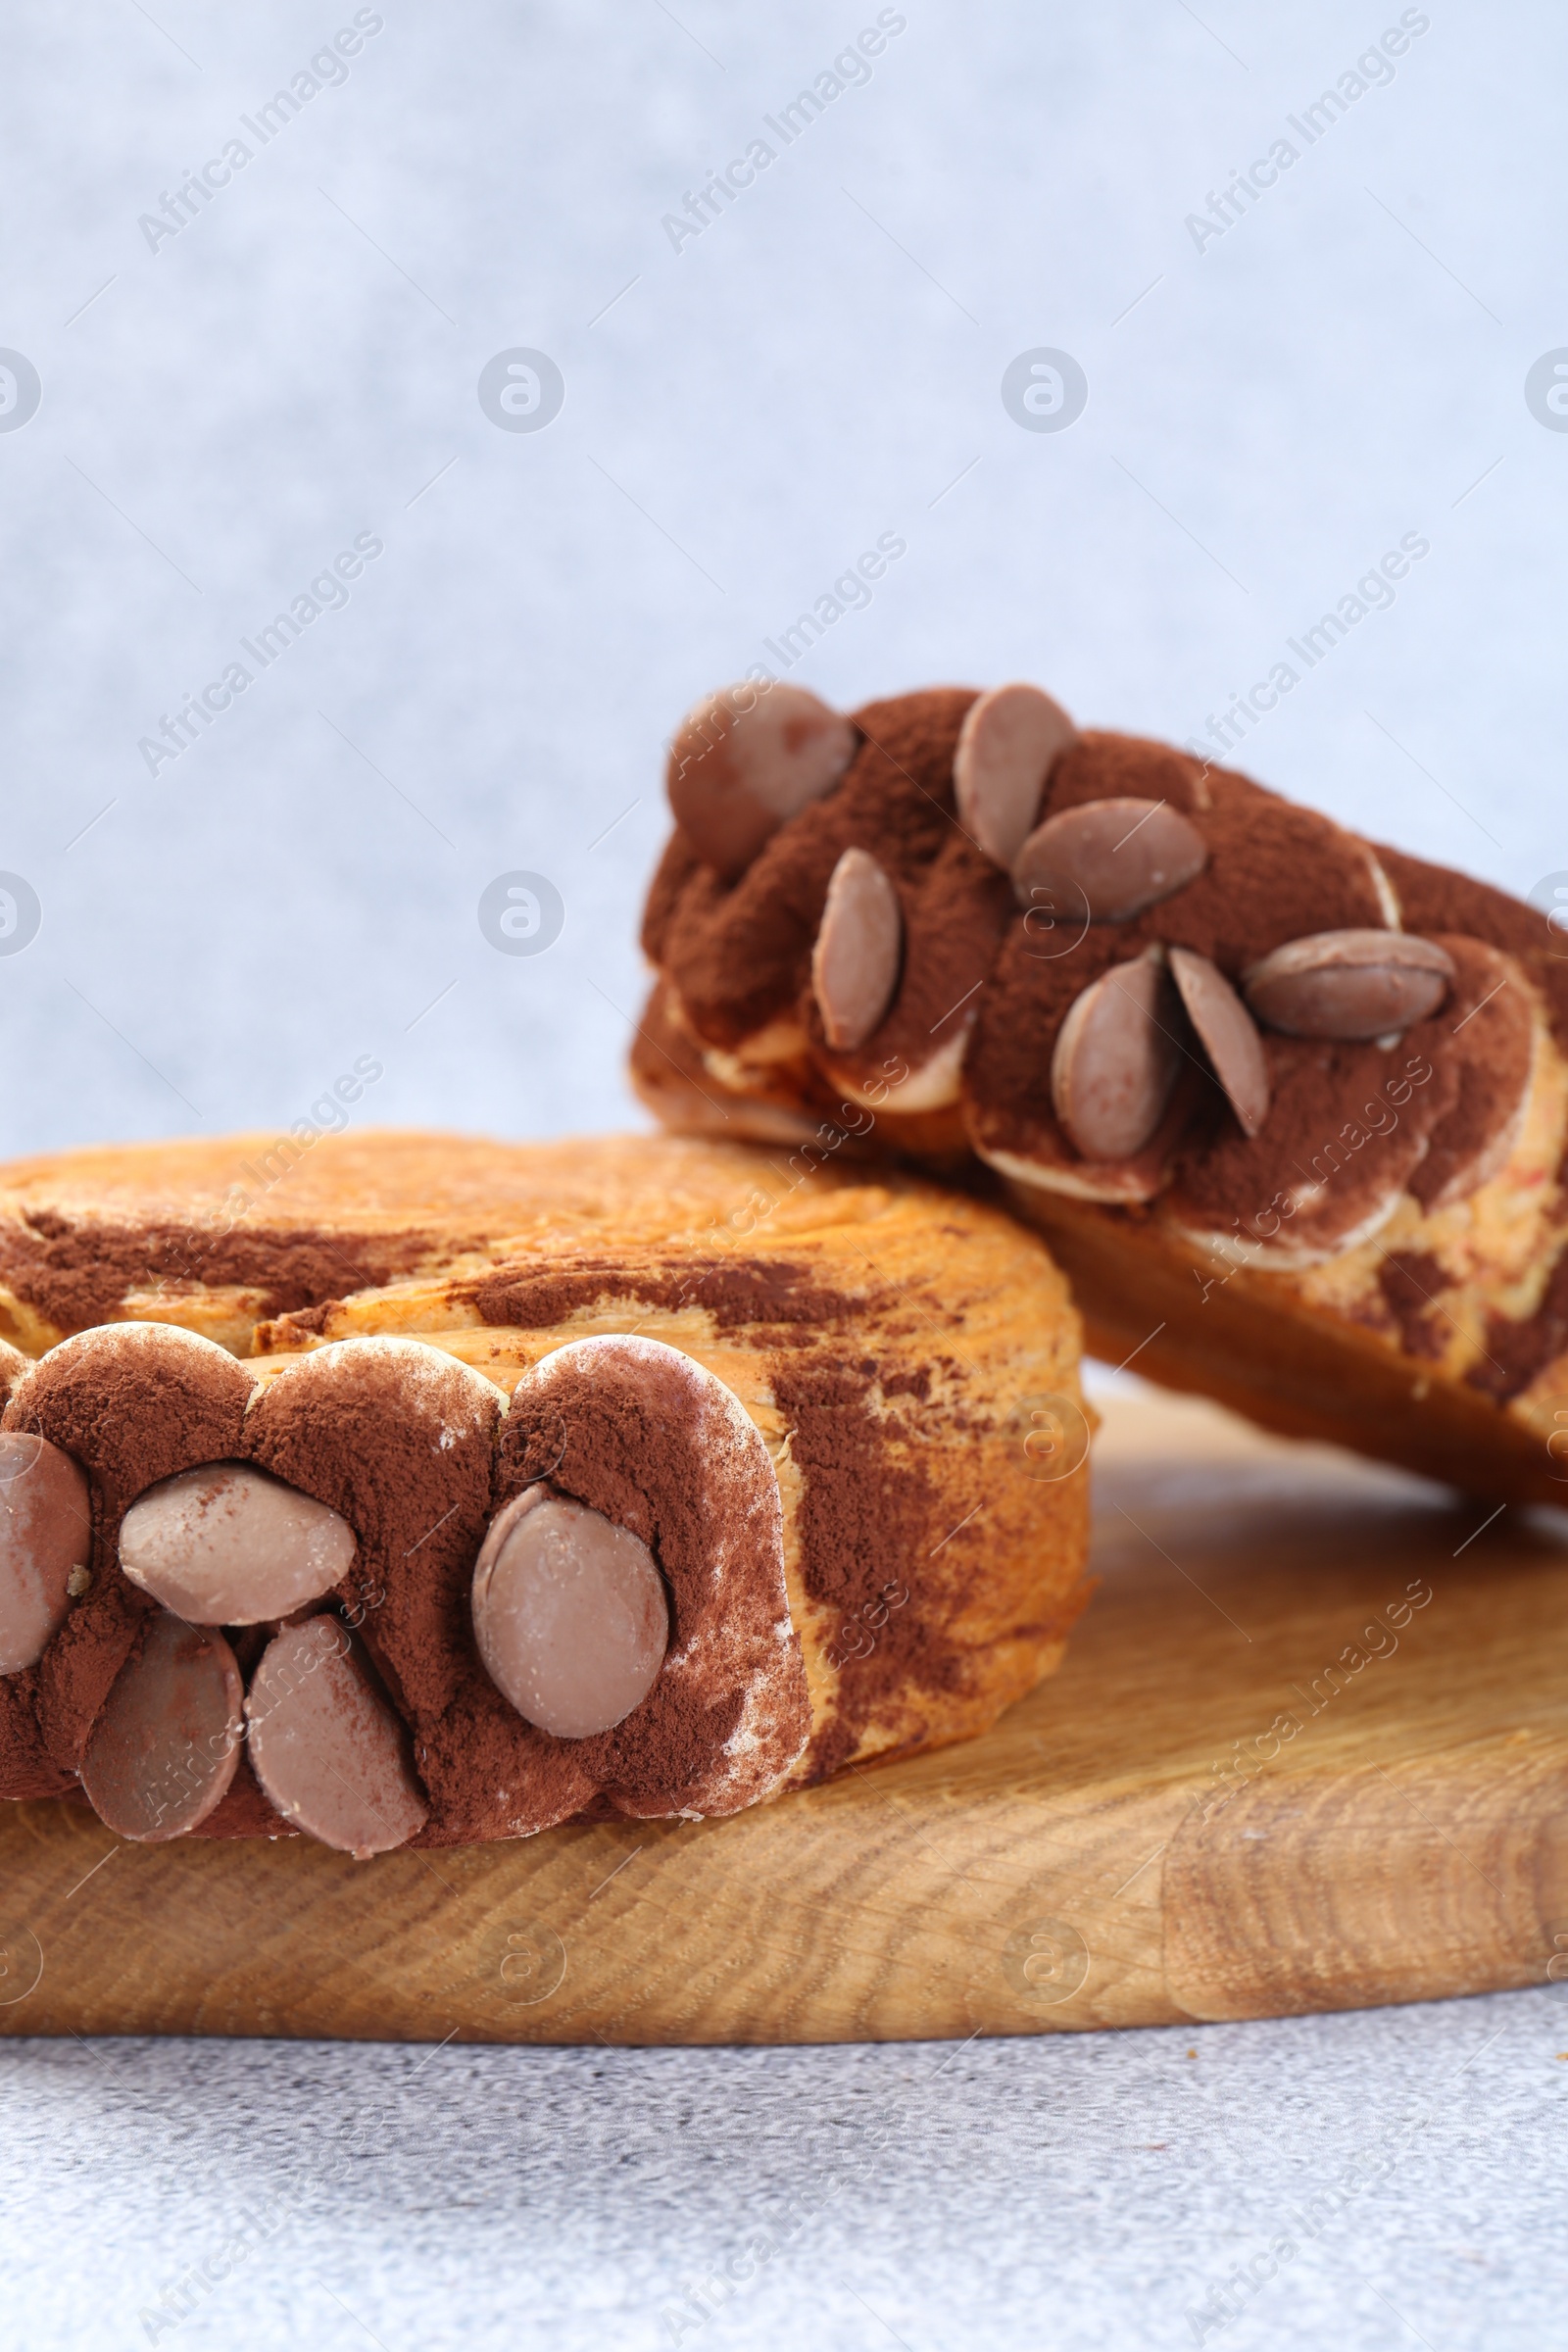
(855, 963)
(1116, 1059)
(45, 1541)
(227, 1544)
(1008, 743)
(1118, 857)
(570, 1614)
(327, 1747)
(1229, 1035)
(1349, 984)
(747, 760)
(164, 1746)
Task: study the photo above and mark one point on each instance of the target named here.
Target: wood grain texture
(1140, 1841)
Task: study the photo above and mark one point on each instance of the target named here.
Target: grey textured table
(1379, 2180)
(1268, 410)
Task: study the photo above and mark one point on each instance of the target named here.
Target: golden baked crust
(909, 1358)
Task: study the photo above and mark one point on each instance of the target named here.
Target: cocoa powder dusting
(1435, 901)
(26, 1767)
(1351, 1126)
(1275, 872)
(739, 954)
(956, 915)
(1486, 1032)
(764, 1292)
(401, 1441)
(1348, 1125)
(864, 1517)
(1106, 767)
(661, 913)
(633, 1445)
(77, 1273)
(1411, 1281)
(1517, 1353)
(132, 1404)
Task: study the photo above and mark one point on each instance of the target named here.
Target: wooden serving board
(1144, 1841)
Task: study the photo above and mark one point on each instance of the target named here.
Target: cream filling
(781, 1040)
(761, 1122)
(1388, 898)
(932, 1087)
(1078, 1184)
(1282, 1257)
(756, 1061)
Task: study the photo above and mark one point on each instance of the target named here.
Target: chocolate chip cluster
(366, 1596)
(1112, 971)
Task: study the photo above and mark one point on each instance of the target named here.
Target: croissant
(1290, 1107)
(439, 1490)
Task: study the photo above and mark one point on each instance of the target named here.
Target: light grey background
(742, 418)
